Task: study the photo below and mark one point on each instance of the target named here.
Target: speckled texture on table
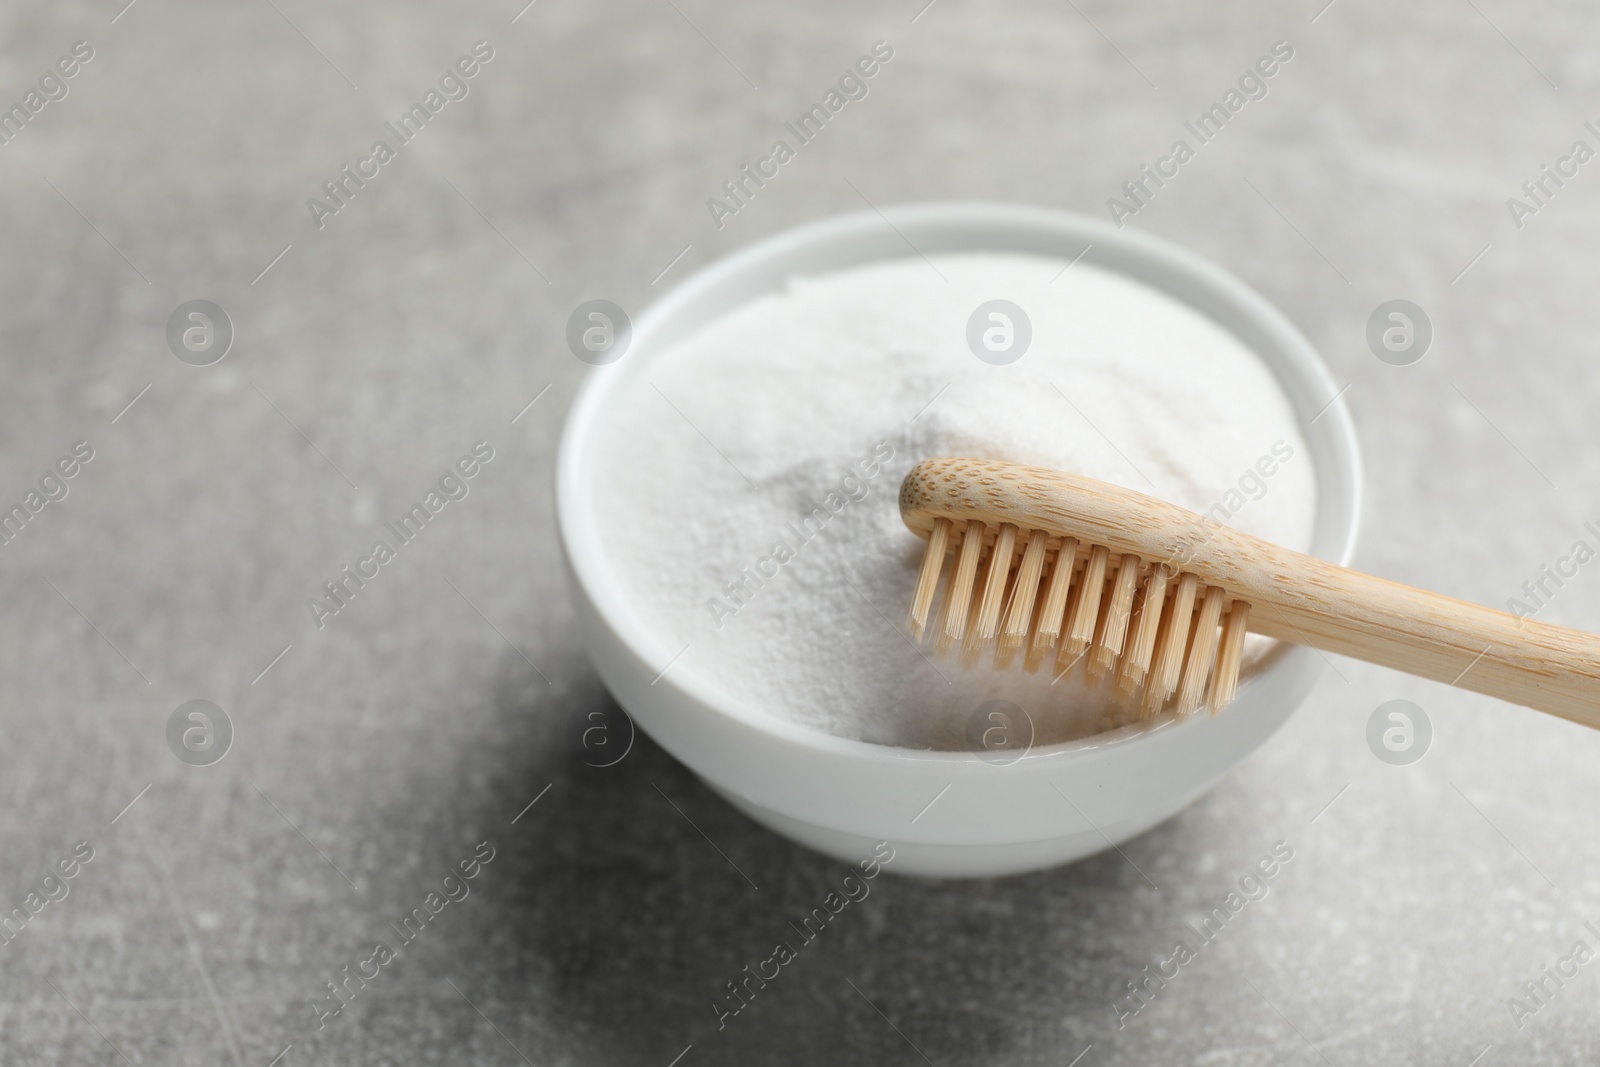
(376, 754)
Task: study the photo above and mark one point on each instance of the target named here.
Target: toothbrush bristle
(1168, 641)
(1202, 652)
(1081, 632)
(1023, 594)
(960, 594)
(1048, 630)
(1173, 642)
(1135, 666)
(994, 587)
(1225, 679)
(1113, 630)
(928, 579)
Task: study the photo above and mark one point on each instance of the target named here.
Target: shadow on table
(632, 895)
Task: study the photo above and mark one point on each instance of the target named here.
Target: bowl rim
(578, 528)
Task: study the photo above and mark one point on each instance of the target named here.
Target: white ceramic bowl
(947, 813)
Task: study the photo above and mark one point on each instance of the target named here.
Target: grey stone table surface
(373, 757)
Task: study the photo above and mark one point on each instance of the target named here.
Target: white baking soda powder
(748, 488)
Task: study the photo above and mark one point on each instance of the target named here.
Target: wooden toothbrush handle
(1292, 596)
(1548, 668)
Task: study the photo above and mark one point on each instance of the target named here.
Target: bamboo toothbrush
(1055, 567)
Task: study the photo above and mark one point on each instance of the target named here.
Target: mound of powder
(747, 490)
